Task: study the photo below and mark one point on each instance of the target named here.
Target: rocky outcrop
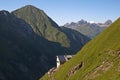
(74, 69)
(105, 66)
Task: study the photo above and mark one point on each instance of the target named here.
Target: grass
(93, 54)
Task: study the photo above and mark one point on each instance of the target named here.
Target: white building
(61, 59)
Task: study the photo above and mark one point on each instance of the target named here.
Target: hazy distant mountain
(29, 42)
(89, 29)
(98, 60)
(105, 24)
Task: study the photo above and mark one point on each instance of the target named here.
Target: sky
(63, 11)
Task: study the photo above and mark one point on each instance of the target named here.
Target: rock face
(27, 51)
(74, 69)
(89, 29)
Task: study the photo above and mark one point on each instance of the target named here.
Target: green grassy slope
(99, 59)
(42, 24)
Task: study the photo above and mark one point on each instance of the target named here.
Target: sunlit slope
(98, 60)
(42, 24)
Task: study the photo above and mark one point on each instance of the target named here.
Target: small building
(61, 59)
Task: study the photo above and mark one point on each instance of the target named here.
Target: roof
(63, 58)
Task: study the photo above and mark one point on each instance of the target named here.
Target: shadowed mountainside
(24, 54)
(28, 47)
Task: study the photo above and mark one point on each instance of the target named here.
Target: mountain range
(99, 59)
(30, 41)
(89, 29)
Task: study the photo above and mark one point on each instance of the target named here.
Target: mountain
(23, 54)
(108, 22)
(97, 60)
(42, 24)
(27, 51)
(77, 39)
(89, 29)
(105, 24)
